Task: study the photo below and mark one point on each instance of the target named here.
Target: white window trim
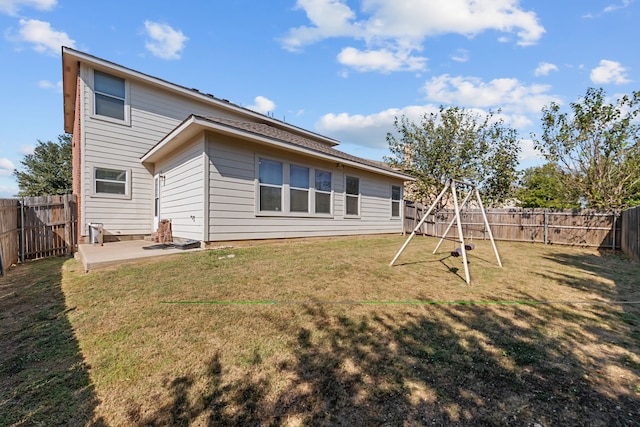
(286, 191)
(127, 184)
(347, 195)
(400, 210)
(127, 101)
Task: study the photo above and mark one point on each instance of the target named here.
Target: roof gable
(264, 134)
(70, 66)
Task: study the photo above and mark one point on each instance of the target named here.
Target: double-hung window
(111, 182)
(323, 192)
(299, 188)
(110, 96)
(396, 197)
(352, 196)
(271, 182)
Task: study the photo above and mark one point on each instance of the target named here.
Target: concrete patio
(95, 256)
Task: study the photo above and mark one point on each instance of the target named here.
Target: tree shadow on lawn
(43, 377)
(619, 293)
(429, 365)
(613, 266)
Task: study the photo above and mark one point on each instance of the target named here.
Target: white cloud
(382, 60)
(609, 72)
(27, 149)
(6, 167)
(401, 26)
(370, 130)
(44, 38)
(262, 105)
(460, 55)
(46, 84)
(520, 107)
(509, 94)
(614, 7)
(11, 7)
(165, 42)
(544, 68)
(529, 153)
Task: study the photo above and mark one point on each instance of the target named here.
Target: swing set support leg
(415, 230)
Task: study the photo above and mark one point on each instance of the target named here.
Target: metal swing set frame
(451, 185)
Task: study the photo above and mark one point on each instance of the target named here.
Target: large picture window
(110, 96)
(287, 189)
(353, 196)
(111, 182)
(270, 178)
(396, 197)
(323, 192)
(299, 188)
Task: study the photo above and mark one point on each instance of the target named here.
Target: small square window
(111, 181)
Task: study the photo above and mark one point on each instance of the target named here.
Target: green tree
(48, 170)
(546, 187)
(456, 143)
(597, 144)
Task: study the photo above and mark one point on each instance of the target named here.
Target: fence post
(22, 240)
(615, 217)
(67, 226)
(546, 226)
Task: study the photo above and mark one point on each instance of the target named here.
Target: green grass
(324, 332)
(43, 377)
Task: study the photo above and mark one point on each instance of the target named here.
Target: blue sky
(342, 68)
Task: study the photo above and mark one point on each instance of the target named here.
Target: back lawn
(324, 332)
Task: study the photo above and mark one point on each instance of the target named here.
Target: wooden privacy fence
(37, 227)
(9, 214)
(567, 227)
(630, 242)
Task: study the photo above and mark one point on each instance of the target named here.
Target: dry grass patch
(323, 332)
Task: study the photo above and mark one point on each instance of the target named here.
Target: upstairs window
(323, 192)
(396, 197)
(353, 196)
(270, 178)
(110, 95)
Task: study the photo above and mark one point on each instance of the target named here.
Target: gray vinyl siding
(233, 188)
(210, 186)
(182, 190)
(153, 114)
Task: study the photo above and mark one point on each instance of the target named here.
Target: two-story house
(145, 149)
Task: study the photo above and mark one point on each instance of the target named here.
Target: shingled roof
(281, 135)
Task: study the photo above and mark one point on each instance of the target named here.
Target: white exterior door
(156, 201)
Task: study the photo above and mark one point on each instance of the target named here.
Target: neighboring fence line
(37, 227)
(567, 227)
(630, 242)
